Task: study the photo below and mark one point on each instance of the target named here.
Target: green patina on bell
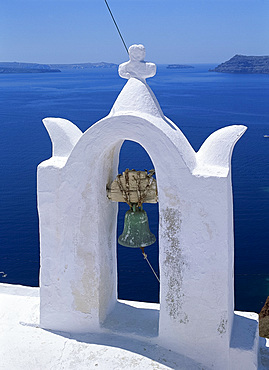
(136, 232)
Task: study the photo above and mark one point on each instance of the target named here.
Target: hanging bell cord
(146, 258)
(122, 39)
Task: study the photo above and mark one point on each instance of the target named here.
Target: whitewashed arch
(92, 164)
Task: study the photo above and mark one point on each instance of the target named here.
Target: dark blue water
(199, 102)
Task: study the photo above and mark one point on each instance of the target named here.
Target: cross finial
(137, 67)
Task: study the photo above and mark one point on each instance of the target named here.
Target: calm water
(199, 102)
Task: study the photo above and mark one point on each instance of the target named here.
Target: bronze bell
(136, 232)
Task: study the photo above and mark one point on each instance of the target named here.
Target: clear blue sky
(173, 31)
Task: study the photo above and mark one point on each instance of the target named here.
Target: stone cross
(136, 67)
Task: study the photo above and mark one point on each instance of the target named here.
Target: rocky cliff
(244, 64)
(264, 320)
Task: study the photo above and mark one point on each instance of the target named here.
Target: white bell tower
(196, 252)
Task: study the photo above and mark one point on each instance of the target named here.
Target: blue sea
(198, 101)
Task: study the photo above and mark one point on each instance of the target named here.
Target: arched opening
(136, 281)
(137, 308)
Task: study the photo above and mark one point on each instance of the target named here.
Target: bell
(136, 232)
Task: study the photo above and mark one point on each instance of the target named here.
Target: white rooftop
(24, 345)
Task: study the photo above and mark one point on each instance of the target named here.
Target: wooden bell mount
(134, 187)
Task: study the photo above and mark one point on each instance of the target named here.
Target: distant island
(16, 67)
(244, 64)
(84, 65)
(178, 66)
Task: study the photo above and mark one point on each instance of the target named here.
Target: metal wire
(116, 26)
(146, 258)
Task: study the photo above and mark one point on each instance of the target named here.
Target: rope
(125, 194)
(116, 26)
(141, 195)
(146, 258)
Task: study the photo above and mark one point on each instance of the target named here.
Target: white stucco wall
(78, 225)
